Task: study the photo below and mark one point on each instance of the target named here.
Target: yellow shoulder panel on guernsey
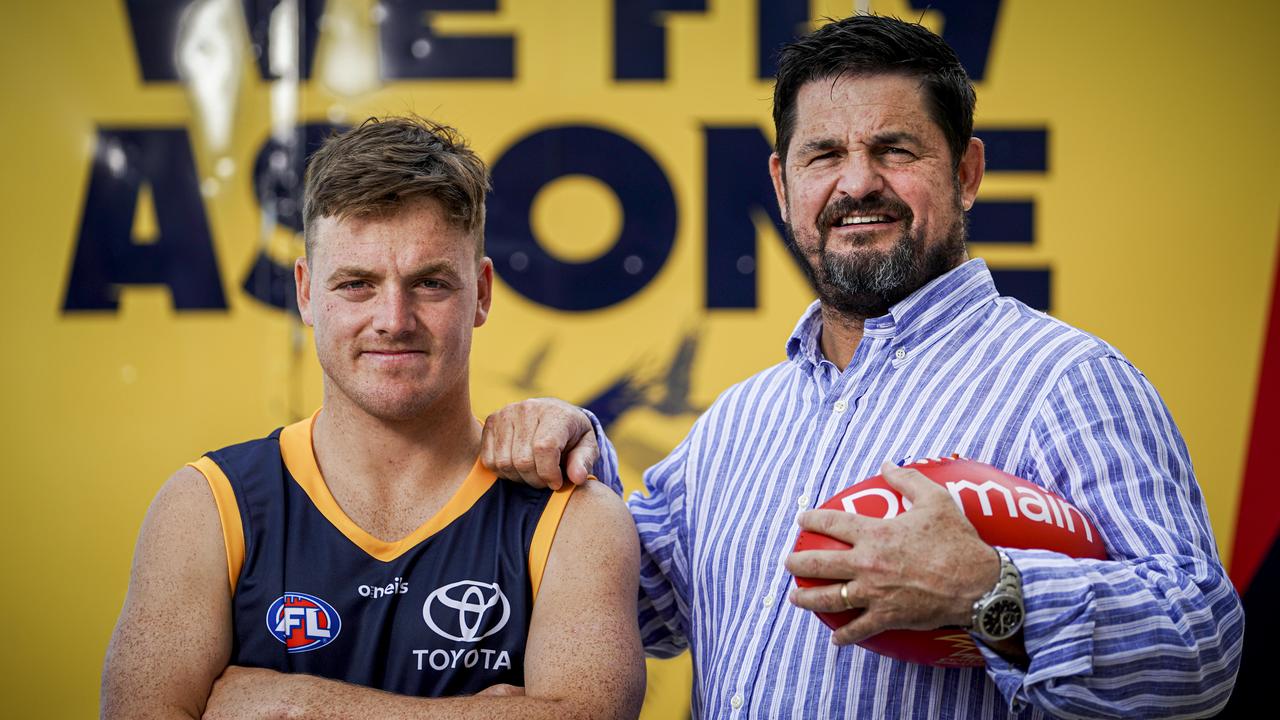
(544, 533)
(228, 514)
(300, 458)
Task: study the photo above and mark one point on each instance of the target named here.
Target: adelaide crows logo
(303, 622)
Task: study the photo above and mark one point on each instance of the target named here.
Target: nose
(393, 312)
(859, 176)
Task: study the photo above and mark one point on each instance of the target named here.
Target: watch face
(1001, 618)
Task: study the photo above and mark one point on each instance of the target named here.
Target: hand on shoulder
(541, 442)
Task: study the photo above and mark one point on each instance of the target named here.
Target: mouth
(394, 355)
(864, 220)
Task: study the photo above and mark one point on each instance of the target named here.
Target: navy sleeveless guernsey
(443, 611)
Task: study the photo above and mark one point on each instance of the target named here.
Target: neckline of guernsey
(299, 456)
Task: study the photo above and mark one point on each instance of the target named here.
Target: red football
(1007, 511)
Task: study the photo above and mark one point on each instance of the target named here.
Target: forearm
(128, 688)
(1150, 637)
(123, 707)
(1155, 630)
(139, 682)
(307, 696)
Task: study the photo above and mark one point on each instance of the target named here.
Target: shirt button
(767, 601)
(803, 501)
(900, 353)
(841, 406)
(736, 701)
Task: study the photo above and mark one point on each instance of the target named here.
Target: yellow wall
(1158, 217)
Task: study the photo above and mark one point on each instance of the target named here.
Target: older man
(911, 352)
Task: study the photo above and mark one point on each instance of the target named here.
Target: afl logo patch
(467, 610)
(303, 622)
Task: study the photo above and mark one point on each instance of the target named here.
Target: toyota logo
(467, 610)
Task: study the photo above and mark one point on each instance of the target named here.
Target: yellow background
(1158, 217)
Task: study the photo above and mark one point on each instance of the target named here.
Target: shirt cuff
(1057, 629)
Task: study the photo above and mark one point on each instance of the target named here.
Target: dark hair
(385, 163)
(875, 45)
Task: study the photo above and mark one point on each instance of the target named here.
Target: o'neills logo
(396, 587)
(994, 499)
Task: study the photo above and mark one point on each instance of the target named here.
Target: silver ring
(844, 595)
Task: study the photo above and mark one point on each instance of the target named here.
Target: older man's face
(872, 206)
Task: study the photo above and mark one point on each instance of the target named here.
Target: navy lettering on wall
(411, 49)
(108, 257)
(781, 21)
(1013, 221)
(640, 36)
(277, 183)
(1003, 221)
(1009, 150)
(1031, 286)
(257, 15)
(968, 26)
(154, 27)
(1016, 150)
(737, 188)
(648, 224)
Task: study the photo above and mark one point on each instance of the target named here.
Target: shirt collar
(802, 346)
(917, 320)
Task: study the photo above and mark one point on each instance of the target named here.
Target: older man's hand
(920, 570)
(541, 442)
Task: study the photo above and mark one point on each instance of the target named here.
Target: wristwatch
(998, 614)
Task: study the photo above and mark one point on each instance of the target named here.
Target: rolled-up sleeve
(659, 513)
(1155, 630)
(606, 467)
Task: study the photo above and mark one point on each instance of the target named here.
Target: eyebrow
(895, 138)
(435, 268)
(819, 145)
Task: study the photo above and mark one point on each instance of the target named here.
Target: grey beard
(866, 285)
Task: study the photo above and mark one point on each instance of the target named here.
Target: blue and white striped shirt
(952, 368)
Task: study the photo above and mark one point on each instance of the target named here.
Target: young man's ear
(484, 291)
(302, 287)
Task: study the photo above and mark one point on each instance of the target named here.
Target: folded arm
(582, 657)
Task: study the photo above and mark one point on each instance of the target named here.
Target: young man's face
(872, 204)
(393, 300)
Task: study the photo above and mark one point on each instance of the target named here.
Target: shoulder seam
(544, 533)
(224, 498)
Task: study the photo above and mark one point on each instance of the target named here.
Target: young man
(351, 561)
(911, 352)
